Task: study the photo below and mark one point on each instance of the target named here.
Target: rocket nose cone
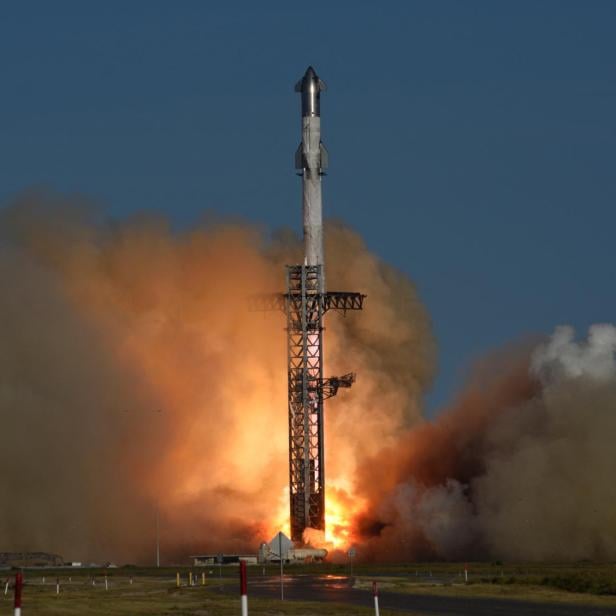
(310, 81)
(310, 74)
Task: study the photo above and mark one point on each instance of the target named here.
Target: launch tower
(305, 303)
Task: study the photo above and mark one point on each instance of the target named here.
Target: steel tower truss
(305, 304)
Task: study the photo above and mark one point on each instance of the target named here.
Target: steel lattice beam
(304, 310)
(334, 300)
(305, 304)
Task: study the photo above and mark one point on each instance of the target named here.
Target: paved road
(338, 589)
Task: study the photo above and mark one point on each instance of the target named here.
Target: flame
(341, 508)
(337, 522)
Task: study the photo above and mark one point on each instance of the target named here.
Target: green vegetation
(589, 583)
(154, 591)
(152, 595)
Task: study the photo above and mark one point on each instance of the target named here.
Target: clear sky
(472, 143)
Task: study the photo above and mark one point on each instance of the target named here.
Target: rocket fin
(324, 156)
(322, 85)
(299, 158)
(298, 85)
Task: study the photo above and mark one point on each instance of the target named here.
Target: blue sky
(471, 143)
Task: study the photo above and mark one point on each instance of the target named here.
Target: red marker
(19, 583)
(375, 594)
(244, 587)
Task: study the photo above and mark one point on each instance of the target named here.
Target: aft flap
(324, 156)
(299, 157)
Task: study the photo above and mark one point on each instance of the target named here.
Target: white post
(57, 586)
(157, 534)
(243, 588)
(106, 584)
(375, 594)
(6, 587)
(465, 573)
(281, 567)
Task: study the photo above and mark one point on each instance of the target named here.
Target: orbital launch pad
(305, 303)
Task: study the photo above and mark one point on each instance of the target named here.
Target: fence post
(375, 594)
(177, 579)
(243, 588)
(19, 583)
(57, 586)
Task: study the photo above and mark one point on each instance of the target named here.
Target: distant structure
(30, 559)
(206, 560)
(305, 303)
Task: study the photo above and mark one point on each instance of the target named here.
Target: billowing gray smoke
(521, 467)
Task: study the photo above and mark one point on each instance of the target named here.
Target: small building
(207, 560)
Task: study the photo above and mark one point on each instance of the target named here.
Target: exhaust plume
(134, 377)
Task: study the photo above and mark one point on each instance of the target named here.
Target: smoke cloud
(134, 377)
(519, 468)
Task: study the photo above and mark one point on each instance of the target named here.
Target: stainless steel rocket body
(311, 159)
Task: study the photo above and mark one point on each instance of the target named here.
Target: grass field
(520, 592)
(154, 591)
(151, 595)
(581, 583)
